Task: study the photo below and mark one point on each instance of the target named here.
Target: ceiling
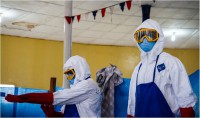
(44, 19)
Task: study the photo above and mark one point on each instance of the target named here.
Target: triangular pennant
(122, 6)
(103, 11)
(68, 18)
(78, 17)
(112, 9)
(94, 14)
(72, 18)
(128, 4)
(86, 16)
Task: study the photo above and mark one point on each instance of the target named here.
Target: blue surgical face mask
(146, 46)
(71, 82)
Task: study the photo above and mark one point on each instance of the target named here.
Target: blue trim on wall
(15, 104)
(3, 94)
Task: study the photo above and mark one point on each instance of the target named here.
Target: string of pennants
(70, 19)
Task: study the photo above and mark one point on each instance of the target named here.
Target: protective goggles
(70, 73)
(150, 34)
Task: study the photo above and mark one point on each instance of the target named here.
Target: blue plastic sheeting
(33, 110)
(121, 98)
(6, 107)
(194, 80)
(58, 107)
(9, 109)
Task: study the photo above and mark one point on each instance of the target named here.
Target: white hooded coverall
(84, 93)
(172, 81)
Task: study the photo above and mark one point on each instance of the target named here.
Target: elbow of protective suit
(37, 98)
(187, 112)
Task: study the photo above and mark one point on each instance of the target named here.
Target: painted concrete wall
(28, 62)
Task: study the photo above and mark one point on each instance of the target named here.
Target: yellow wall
(189, 57)
(126, 58)
(28, 62)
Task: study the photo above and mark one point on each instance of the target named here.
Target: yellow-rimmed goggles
(70, 73)
(150, 34)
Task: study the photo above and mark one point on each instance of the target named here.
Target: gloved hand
(49, 111)
(130, 116)
(14, 98)
(187, 112)
(37, 98)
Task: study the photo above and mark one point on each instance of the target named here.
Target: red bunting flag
(103, 11)
(78, 17)
(128, 4)
(68, 18)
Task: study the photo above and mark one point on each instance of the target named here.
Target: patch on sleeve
(161, 67)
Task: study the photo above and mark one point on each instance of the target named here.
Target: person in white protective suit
(83, 92)
(159, 85)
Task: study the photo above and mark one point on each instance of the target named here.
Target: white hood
(80, 66)
(158, 47)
